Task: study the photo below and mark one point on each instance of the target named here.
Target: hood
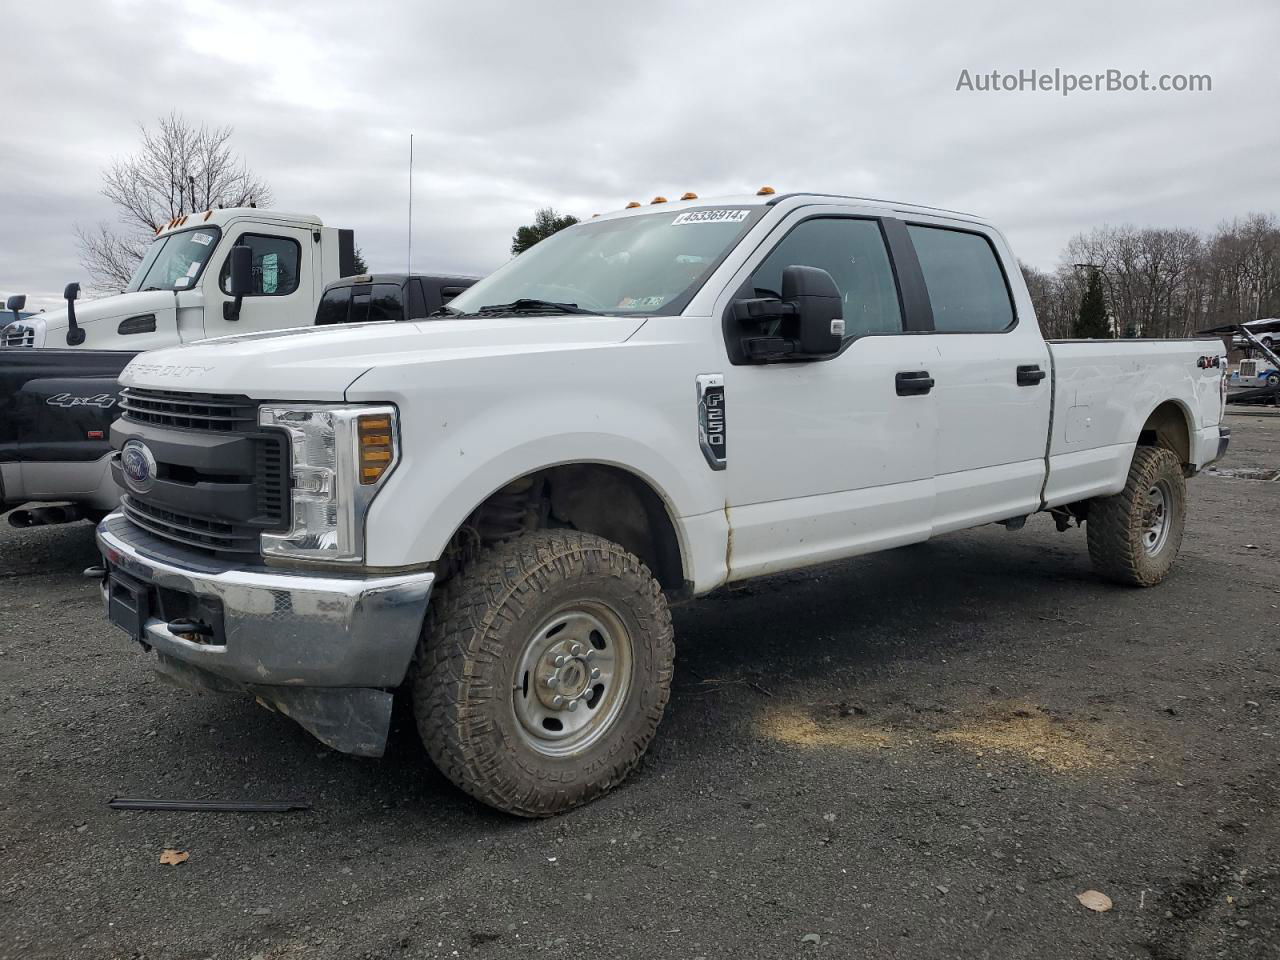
(319, 363)
(90, 312)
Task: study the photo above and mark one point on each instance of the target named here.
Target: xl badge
(138, 465)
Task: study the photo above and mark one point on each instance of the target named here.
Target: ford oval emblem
(139, 466)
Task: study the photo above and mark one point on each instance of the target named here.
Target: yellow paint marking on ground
(1016, 730)
(793, 727)
(1027, 732)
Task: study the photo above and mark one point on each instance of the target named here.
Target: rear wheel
(543, 671)
(1134, 536)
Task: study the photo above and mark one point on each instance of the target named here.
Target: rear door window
(333, 306)
(967, 288)
(385, 303)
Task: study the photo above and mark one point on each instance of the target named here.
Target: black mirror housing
(819, 309)
(240, 280)
(16, 302)
(71, 291)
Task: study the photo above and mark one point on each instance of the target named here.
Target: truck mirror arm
(75, 336)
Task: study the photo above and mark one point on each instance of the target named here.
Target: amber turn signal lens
(377, 452)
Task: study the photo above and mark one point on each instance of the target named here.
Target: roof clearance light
(658, 200)
(208, 214)
(690, 196)
(633, 204)
(765, 192)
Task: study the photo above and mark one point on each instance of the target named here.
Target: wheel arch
(608, 498)
(1169, 425)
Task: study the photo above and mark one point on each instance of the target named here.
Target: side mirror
(16, 302)
(819, 309)
(240, 283)
(239, 280)
(806, 323)
(75, 336)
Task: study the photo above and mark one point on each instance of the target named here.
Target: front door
(832, 457)
(282, 290)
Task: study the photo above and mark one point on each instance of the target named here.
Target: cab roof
(791, 199)
(220, 217)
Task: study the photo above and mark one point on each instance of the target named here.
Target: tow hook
(197, 631)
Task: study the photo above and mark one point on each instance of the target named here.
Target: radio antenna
(409, 264)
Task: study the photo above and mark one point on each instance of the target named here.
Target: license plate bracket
(128, 606)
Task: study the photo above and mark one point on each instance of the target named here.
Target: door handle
(1029, 374)
(913, 383)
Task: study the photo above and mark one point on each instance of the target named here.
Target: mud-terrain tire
(1134, 536)
(504, 652)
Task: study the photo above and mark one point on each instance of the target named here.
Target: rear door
(992, 375)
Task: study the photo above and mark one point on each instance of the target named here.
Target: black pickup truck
(57, 405)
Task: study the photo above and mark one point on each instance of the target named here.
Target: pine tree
(1091, 321)
(545, 222)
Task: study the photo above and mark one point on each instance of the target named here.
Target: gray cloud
(586, 106)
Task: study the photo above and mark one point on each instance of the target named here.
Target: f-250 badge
(102, 400)
(711, 424)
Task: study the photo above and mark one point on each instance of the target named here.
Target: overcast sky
(584, 106)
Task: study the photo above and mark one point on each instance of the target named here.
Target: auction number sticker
(204, 239)
(711, 216)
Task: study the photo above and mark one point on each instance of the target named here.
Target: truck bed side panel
(50, 400)
(1104, 391)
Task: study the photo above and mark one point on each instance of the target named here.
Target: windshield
(642, 264)
(174, 261)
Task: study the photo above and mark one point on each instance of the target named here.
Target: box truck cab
(181, 290)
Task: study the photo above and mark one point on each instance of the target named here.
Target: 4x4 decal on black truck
(103, 400)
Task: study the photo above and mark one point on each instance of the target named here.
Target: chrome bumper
(323, 649)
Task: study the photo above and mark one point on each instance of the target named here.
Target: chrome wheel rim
(1155, 518)
(572, 679)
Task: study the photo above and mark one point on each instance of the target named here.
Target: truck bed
(1104, 390)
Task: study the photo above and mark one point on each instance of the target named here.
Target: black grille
(199, 500)
(221, 413)
(270, 476)
(192, 531)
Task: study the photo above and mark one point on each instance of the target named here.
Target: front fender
(447, 471)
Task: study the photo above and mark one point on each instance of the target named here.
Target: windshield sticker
(711, 216)
(194, 268)
(204, 239)
(635, 303)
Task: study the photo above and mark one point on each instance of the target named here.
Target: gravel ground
(925, 753)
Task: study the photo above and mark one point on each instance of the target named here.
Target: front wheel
(1134, 536)
(543, 671)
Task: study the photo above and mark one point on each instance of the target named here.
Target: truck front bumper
(324, 648)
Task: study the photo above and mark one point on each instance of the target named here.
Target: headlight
(340, 458)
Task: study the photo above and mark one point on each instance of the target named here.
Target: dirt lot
(927, 753)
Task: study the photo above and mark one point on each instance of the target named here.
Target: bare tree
(179, 169)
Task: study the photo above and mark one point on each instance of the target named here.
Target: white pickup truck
(494, 513)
